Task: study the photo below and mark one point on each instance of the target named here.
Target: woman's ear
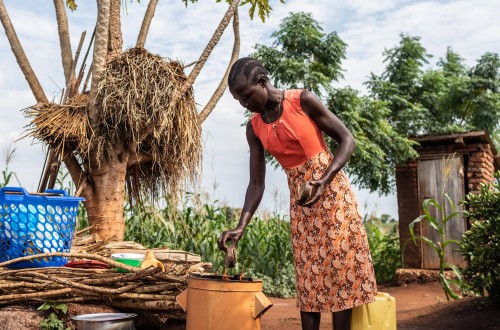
(263, 80)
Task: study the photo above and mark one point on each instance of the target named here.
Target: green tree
(399, 85)
(446, 99)
(303, 56)
(379, 147)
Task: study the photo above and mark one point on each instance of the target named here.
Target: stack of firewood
(146, 289)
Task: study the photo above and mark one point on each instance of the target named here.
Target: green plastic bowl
(131, 259)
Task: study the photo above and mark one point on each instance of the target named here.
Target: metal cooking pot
(105, 321)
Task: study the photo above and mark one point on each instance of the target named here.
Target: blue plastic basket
(34, 224)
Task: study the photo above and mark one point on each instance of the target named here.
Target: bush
(384, 248)
(481, 244)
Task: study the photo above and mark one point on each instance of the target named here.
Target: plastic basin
(131, 259)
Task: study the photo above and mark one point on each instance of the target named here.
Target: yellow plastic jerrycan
(378, 315)
(150, 260)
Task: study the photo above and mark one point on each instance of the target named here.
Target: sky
(470, 28)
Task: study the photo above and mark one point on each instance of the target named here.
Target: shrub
(481, 243)
(384, 248)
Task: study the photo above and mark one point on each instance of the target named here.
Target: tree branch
(223, 84)
(21, 58)
(71, 85)
(63, 28)
(199, 64)
(210, 46)
(100, 55)
(138, 158)
(115, 40)
(75, 170)
(146, 23)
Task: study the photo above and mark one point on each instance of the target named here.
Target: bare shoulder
(250, 133)
(311, 104)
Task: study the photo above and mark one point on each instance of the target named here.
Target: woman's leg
(310, 320)
(342, 320)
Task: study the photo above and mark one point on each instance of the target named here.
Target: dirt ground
(418, 306)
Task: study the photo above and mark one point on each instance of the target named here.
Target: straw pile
(134, 115)
(136, 90)
(62, 127)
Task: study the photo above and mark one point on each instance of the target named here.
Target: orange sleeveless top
(294, 137)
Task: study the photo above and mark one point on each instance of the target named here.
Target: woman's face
(252, 96)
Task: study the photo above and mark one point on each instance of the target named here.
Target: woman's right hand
(233, 235)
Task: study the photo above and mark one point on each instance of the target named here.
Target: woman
(333, 266)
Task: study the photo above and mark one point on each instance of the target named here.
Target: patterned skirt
(332, 260)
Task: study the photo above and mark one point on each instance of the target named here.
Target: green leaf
(448, 242)
(62, 307)
(45, 306)
(451, 216)
(446, 286)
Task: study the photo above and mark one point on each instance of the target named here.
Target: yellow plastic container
(378, 315)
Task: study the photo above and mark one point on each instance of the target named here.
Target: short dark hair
(248, 68)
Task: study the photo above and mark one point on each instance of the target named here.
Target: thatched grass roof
(133, 96)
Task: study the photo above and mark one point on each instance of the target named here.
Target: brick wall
(408, 210)
(480, 168)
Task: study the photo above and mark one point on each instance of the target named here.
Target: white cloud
(469, 27)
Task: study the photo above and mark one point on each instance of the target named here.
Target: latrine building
(455, 164)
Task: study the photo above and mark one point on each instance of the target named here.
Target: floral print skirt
(332, 260)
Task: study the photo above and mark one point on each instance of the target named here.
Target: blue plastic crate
(34, 224)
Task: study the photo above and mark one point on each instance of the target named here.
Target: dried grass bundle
(135, 93)
(62, 127)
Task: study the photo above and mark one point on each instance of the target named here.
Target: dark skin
(262, 97)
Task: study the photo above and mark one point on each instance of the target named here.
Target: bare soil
(418, 306)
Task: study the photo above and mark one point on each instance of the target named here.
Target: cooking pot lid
(103, 317)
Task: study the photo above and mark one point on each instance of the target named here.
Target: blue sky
(368, 27)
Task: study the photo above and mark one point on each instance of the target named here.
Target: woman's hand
(317, 190)
(233, 235)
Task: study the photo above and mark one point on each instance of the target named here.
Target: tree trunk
(62, 26)
(146, 23)
(115, 40)
(21, 58)
(105, 199)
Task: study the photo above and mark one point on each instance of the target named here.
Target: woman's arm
(334, 128)
(255, 189)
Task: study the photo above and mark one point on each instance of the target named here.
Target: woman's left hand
(317, 191)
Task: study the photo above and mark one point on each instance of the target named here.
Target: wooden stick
(157, 288)
(173, 308)
(75, 255)
(70, 88)
(46, 294)
(82, 68)
(84, 230)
